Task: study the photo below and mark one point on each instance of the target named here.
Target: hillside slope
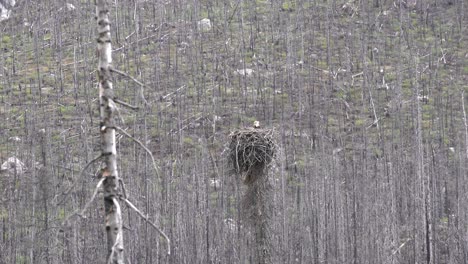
(367, 98)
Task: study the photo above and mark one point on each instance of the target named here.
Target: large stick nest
(251, 151)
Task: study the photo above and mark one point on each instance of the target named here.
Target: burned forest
(234, 131)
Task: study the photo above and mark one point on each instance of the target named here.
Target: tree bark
(113, 215)
(258, 210)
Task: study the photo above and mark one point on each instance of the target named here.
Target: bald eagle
(256, 124)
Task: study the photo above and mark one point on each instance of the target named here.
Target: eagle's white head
(256, 124)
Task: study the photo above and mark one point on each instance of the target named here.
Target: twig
(131, 34)
(91, 162)
(76, 212)
(79, 176)
(233, 12)
(155, 167)
(176, 91)
(122, 184)
(401, 246)
(118, 111)
(357, 75)
(137, 41)
(151, 223)
(96, 190)
(184, 127)
(376, 122)
(126, 104)
(135, 80)
(126, 75)
(376, 118)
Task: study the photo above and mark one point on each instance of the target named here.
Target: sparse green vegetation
(6, 40)
(349, 141)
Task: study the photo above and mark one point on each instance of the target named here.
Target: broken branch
(126, 104)
(133, 79)
(151, 223)
(81, 214)
(79, 176)
(155, 167)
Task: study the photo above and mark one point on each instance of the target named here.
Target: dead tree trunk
(251, 152)
(113, 216)
(258, 206)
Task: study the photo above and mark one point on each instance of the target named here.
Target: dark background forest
(367, 98)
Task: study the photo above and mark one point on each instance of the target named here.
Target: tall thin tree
(113, 215)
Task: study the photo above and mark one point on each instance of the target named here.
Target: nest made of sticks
(251, 151)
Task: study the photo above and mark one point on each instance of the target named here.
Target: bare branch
(161, 39)
(151, 223)
(175, 92)
(375, 123)
(124, 189)
(155, 167)
(79, 177)
(131, 34)
(376, 118)
(401, 246)
(133, 79)
(118, 113)
(186, 125)
(126, 104)
(126, 75)
(90, 163)
(81, 214)
(96, 190)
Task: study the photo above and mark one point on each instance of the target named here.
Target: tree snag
(107, 108)
(251, 151)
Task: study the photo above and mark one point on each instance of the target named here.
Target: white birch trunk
(107, 108)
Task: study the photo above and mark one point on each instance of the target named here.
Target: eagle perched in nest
(251, 149)
(256, 124)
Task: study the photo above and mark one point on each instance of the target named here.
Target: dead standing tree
(251, 151)
(107, 109)
(109, 176)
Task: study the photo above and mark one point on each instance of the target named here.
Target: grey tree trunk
(113, 213)
(258, 209)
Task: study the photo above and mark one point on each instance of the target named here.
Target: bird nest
(251, 151)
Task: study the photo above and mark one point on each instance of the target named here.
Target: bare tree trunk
(113, 214)
(426, 249)
(258, 207)
(465, 123)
